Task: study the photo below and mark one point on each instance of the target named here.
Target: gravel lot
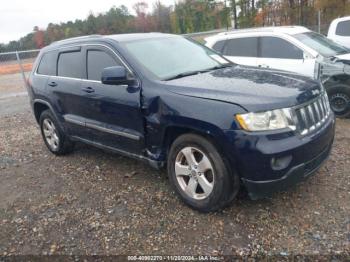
(92, 202)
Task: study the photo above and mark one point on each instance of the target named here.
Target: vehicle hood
(252, 88)
(344, 58)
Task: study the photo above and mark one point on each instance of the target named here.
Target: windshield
(321, 44)
(167, 58)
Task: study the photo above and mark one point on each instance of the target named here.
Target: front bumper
(261, 189)
(251, 156)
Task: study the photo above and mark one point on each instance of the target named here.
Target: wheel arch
(40, 106)
(214, 134)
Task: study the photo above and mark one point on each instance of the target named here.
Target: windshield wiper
(190, 73)
(219, 67)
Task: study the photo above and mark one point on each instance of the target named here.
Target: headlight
(265, 121)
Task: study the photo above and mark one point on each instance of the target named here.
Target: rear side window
(47, 64)
(70, 65)
(343, 28)
(219, 46)
(97, 60)
(247, 47)
(273, 47)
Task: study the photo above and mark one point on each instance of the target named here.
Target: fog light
(280, 163)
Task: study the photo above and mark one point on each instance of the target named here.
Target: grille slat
(320, 104)
(311, 116)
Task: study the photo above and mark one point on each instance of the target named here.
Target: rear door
(114, 117)
(278, 53)
(243, 51)
(65, 89)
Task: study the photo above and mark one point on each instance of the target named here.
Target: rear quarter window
(343, 28)
(70, 65)
(246, 47)
(47, 65)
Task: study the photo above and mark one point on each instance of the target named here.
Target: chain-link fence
(14, 69)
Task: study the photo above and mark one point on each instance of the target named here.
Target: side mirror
(115, 75)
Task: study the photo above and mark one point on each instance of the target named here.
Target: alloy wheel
(50, 134)
(194, 173)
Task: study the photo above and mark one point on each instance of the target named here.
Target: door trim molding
(112, 131)
(74, 121)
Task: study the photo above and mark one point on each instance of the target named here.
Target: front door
(113, 111)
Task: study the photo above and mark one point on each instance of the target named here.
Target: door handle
(52, 84)
(263, 66)
(88, 89)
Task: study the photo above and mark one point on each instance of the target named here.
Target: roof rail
(75, 38)
(254, 29)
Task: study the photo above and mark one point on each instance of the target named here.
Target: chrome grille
(311, 116)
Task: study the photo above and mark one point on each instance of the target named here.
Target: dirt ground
(92, 202)
(8, 66)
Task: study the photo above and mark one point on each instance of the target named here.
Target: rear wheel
(339, 99)
(54, 137)
(199, 174)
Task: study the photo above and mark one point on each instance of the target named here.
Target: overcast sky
(18, 17)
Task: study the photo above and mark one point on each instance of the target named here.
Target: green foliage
(195, 16)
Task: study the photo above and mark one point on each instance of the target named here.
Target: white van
(339, 31)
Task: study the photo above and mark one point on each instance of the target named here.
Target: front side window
(168, 57)
(246, 47)
(273, 47)
(321, 44)
(343, 28)
(47, 64)
(70, 65)
(97, 60)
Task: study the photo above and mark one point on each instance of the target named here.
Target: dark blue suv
(172, 102)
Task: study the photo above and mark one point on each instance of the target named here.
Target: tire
(339, 99)
(207, 184)
(54, 137)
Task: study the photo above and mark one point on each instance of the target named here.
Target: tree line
(187, 16)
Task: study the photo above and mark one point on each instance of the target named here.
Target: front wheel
(339, 99)
(200, 175)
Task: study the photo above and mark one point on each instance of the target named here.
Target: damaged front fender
(331, 67)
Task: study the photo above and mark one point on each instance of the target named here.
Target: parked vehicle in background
(204, 118)
(339, 31)
(295, 49)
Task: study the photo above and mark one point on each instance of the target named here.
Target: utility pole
(319, 21)
(227, 15)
